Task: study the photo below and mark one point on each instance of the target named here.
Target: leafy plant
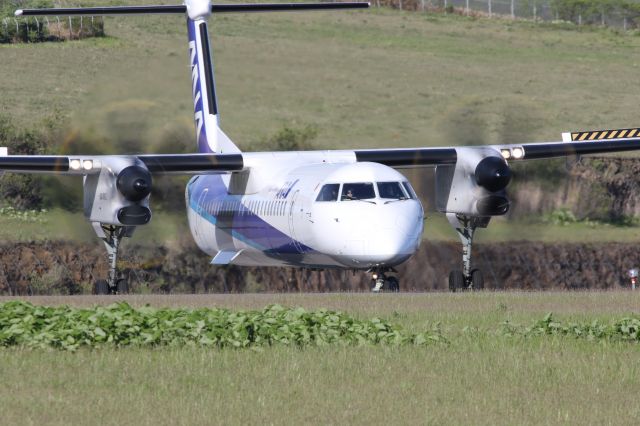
(625, 329)
(23, 324)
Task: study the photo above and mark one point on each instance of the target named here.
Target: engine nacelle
(119, 195)
(475, 185)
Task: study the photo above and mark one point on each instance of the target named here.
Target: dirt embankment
(66, 267)
(596, 188)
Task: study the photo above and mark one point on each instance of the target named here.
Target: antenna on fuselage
(209, 135)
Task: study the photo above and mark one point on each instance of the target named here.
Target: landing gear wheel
(477, 280)
(377, 284)
(101, 287)
(456, 281)
(122, 286)
(392, 284)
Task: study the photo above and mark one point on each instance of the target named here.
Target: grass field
(480, 377)
(366, 79)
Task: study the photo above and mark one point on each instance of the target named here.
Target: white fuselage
(272, 214)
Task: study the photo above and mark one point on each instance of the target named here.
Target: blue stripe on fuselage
(243, 224)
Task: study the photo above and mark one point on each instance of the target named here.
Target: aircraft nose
(394, 247)
(399, 232)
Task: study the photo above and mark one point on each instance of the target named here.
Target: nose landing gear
(381, 282)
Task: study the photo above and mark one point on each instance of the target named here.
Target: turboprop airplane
(349, 209)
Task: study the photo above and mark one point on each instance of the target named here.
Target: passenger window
(409, 190)
(329, 192)
(357, 191)
(391, 190)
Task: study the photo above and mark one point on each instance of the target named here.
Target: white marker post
(633, 275)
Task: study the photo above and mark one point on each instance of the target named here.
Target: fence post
(513, 10)
(422, 4)
(59, 30)
(445, 7)
(489, 5)
(80, 31)
(535, 11)
(624, 23)
(466, 7)
(580, 19)
(400, 4)
(70, 27)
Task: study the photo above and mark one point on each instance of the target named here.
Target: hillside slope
(371, 78)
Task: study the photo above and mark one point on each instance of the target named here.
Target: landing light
(518, 153)
(506, 154)
(87, 164)
(75, 164)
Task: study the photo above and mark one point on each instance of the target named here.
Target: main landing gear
(380, 281)
(465, 226)
(112, 235)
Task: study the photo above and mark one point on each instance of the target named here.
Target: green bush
(291, 139)
(561, 217)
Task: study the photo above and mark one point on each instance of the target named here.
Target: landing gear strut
(380, 281)
(465, 226)
(112, 235)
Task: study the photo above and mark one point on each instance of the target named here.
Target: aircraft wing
(188, 164)
(417, 157)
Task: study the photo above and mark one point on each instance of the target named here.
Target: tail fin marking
(209, 136)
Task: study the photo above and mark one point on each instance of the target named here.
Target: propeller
(493, 173)
(134, 183)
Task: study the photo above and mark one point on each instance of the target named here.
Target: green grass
(367, 79)
(480, 377)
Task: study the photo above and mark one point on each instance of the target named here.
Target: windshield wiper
(399, 199)
(359, 199)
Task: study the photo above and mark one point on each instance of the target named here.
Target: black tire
(392, 284)
(456, 281)
(477, 280)
(122, 286)
(101, 287)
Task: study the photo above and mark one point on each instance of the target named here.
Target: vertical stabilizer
(209, 136)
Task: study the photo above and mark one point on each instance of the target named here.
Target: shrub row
(23, 324)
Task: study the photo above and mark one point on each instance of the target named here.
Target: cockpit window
(391, 190)
(329, 192)
(357, 191)
(410, 190)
